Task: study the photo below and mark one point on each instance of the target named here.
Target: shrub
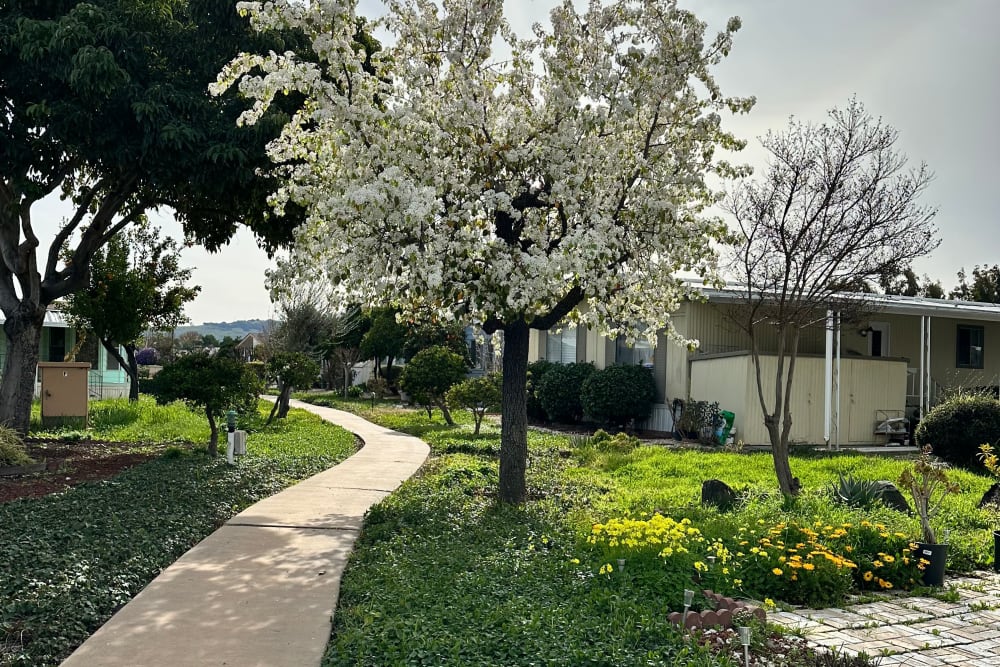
(559, 391)
(536, 371)
(212, 385)
(620, 443)
(147, 356)
(956, 428)
(430, 374)
(476, 394)
(355, 391)
(618, 395)
(12, 449)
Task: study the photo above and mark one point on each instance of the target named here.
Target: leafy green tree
(430, 374)
(210, 384)
(209, 340)
(289, 370)
(101, 105)
(985, 286)
(135, 283)
(384, 339)
(905, 282)
(420, 336)
(478, 395)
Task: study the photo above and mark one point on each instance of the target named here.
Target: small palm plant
(929, 485)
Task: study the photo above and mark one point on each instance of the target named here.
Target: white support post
(930, 380)
(923, 355)
(836, 418)
(828, 379)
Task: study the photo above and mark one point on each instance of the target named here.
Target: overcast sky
(928, 67)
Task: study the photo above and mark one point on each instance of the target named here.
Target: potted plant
(992, 463)
(928, 484)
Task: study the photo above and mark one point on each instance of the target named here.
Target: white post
(836, 419)
(229, 448)
(930, 380)
(923, 354)
(828, 378)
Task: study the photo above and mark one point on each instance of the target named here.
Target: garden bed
(67, 463)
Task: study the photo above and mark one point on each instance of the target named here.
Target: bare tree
(836, 206)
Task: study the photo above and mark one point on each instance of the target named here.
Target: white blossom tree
(508, 182)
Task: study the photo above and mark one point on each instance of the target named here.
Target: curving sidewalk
(261, 590)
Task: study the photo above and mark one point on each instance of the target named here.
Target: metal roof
(54, 319)
(886, 303)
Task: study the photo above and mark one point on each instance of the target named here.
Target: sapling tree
(837, 207)
(289, 370)
(498, 180)
(477, 395)
(134, 284)
(430, 374)
(210, 384)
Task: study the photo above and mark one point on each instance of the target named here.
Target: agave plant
(860, 493)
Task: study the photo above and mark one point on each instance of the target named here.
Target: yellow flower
(575, 561)
(701, 567)
(889, 559)
(877, 563)
(777, 571)
(808, 566)
(868, 575)
(769, 604)
(737, 582)
(606, 569)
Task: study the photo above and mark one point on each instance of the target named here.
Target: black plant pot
(937, 554)
(996, 550)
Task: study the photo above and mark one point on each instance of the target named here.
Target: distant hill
(220, 330)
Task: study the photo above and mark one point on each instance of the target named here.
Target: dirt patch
(71, 463)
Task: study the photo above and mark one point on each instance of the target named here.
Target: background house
(106, 378)
(896, 361)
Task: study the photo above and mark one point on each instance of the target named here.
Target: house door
(878, 339)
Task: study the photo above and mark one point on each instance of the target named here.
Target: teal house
(106, 378)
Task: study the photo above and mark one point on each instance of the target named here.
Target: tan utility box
(64, 393)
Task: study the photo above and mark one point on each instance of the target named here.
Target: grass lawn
(442, 575)
(71, 559)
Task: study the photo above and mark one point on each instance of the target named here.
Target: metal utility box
(64, 393)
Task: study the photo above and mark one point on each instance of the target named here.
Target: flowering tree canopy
(511, 182)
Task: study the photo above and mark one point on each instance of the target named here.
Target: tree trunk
(129, 365)
(133, 373)
(788, 484)
(213, 442)
(17, 386)
(514, 414)
(283, 398)
(446, 412)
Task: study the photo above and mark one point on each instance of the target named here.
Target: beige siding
(867, 385)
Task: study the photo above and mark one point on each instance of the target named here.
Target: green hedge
(618, 395)
(956, 428)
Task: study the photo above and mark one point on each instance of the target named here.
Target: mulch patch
(74, 462)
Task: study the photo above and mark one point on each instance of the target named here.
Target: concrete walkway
(261, 590)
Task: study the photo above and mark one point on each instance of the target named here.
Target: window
(111, 363)
(969, 347)
(57, 344)
(561, 347)
(640, 354)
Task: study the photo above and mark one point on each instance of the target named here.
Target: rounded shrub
(617, 395)
(559, 391)
(536, 371)
(956, 428)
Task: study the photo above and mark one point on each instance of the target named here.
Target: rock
(675, 617)
(709, 619)
(718, 493)
(991, 497)
(893, 497)
(725, 617)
